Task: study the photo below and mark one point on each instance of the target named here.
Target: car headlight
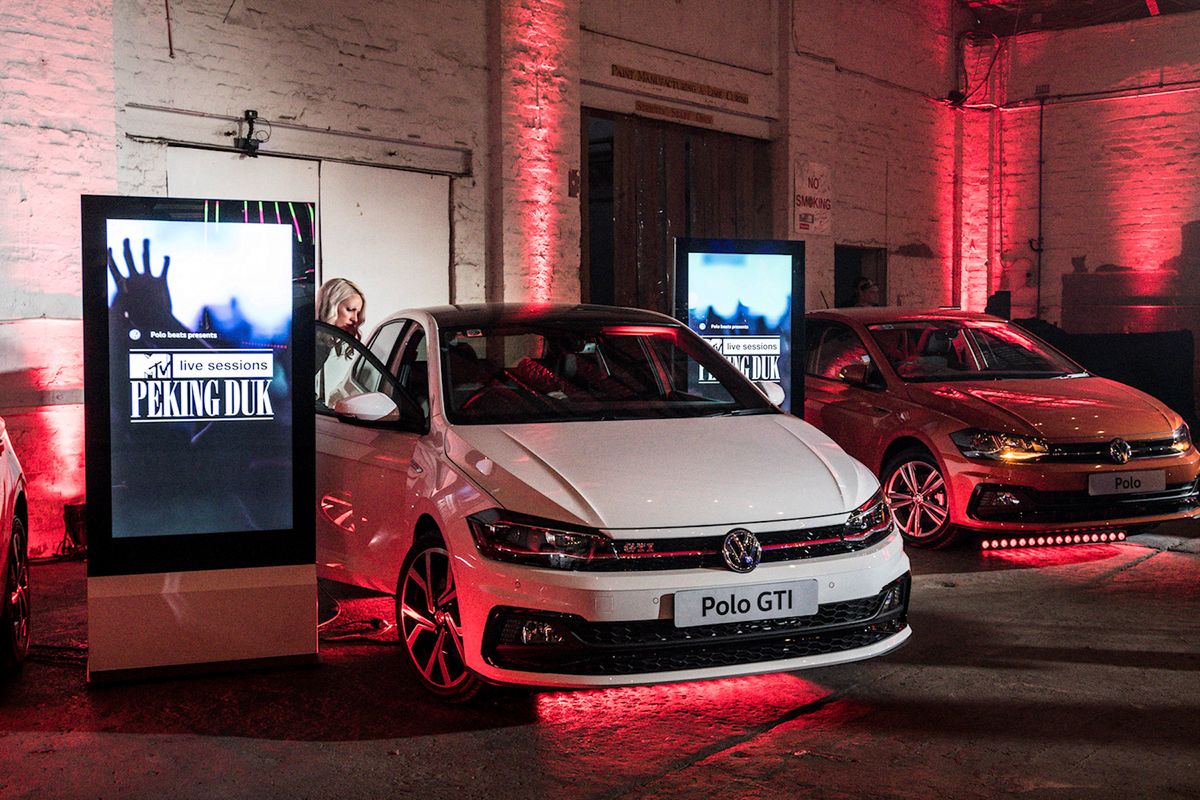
(518, 539)
(1000, 446)
(870, 518)
(1181, 439)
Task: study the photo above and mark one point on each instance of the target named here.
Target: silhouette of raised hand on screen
(143, 299)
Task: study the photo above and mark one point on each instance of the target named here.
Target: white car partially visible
(14, 557)
(589, 496)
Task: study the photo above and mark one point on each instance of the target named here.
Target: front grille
(1097, 452)
(700, 552)
(1054, 507)
(648, 646)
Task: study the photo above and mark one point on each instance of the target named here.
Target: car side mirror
(378, 408)
(369, 407)
(772, 390)
(860, 374)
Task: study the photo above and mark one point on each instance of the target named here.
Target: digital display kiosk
(198, 323)
(746, 298)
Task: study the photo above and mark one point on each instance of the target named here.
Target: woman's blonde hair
(331, 294)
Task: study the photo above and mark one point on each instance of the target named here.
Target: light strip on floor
(1052, 540)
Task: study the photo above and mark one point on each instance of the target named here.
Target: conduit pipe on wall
(1037, 244)
(1124, 93)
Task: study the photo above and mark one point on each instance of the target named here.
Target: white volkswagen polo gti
(591, 496)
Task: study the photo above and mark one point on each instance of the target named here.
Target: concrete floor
(1054, 673)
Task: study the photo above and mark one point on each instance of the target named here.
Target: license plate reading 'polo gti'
(745, 603)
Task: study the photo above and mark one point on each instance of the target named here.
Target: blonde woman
(341, 304)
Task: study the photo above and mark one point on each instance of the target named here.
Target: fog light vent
(540, 632)
(892, 598)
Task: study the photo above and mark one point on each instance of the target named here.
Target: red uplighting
(534, 66)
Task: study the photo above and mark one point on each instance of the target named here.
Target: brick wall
(536, 119)
(866, 89)
(1122, 168)
(56, 142)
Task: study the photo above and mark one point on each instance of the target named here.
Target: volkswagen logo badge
(741, 550)
(1119, 451)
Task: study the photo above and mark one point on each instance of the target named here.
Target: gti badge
(1119, 451)
(741, 550)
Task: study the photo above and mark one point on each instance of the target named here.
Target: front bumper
(650, 646)
(1053, 496)
(619, 629)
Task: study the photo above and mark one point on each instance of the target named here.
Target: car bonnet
(662, 473)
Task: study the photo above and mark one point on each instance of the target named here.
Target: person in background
(866, 292)
(341, 304)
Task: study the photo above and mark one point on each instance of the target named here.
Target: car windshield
(565, 371)
(947, 350)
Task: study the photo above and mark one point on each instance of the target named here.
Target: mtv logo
(149, 366)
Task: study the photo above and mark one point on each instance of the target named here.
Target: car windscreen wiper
(741, 412)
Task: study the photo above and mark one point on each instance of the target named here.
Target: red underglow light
(1091, 537)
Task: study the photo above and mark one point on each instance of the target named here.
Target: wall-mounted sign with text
(812, 198)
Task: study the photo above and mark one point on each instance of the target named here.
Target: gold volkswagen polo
(975, 426)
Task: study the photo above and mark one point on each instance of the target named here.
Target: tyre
(429, 624)
(14, 617)
(919, 498)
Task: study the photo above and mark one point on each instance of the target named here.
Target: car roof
(874, 315)
(451, 316)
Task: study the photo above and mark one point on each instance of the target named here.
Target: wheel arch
(426, 524)
(899, 445)
(21, 511)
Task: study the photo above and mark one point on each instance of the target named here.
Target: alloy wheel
(429, 620)
(917, 495)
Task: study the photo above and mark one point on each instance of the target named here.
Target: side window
(346, 369)
(838, 347)
(813, 331)
(412, 367)
(383, 343)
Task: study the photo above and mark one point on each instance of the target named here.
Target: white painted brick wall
(56, 142)
(866, 87)
(405, 69)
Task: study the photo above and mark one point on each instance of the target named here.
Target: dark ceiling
(1009, 17)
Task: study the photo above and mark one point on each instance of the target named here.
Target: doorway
(649, 182)
(851, 264)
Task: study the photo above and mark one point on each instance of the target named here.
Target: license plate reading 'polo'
(1150, 480)
(745, 603)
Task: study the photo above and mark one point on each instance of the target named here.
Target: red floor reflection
(765, 695)
(1051, 556)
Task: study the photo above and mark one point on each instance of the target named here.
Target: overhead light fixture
(249, 143)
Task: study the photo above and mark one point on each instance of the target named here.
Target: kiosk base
(167, 622)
